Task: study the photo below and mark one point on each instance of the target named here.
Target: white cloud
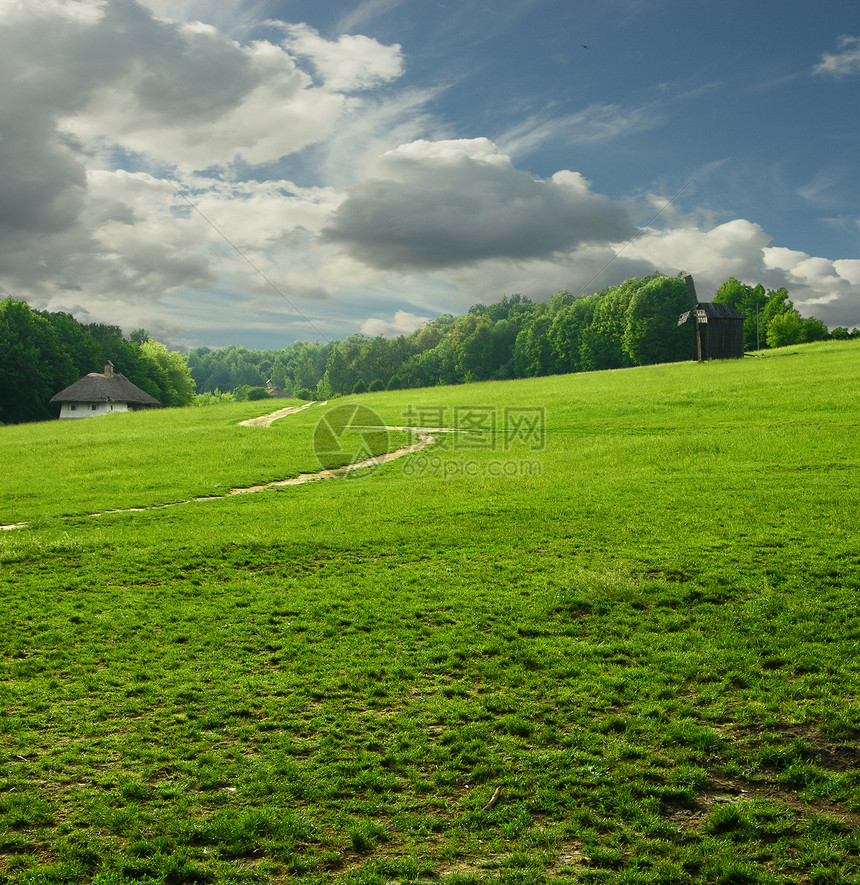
(817, 286)
(366, 11)
(706, 254)
(595, 124)
(93, 84)
(842, 63)
(204, 101)
(430, 205)
(127, 240)
(350, 63)
(370, 126)
(403, 324)
(105, 106)
(824, 188)
(741, 249)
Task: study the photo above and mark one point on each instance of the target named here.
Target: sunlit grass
(649, 646)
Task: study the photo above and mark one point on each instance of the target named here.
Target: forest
(632, 324)
(41, 353)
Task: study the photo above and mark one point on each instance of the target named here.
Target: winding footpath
(426, 437)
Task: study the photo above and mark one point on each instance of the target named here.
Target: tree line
(632, 324)
(42, 353)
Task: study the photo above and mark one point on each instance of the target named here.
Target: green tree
(750, 301)
(279, 374)
(473, 341)
(785, 329)
(169, 370)
(139, 336)
(33, 364)
(602, 345)
(306, 363)
(339, 375)
(567, 329)
(776, 304)
(245, 371)
(653, 334)
(86, 353)
(814, 330)
(533, 352)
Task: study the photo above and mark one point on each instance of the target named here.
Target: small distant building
(718, 328)
(101, 394)
(276, 392)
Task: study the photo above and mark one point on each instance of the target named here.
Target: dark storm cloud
(434, 205)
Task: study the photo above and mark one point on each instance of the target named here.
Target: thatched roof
(107, 388)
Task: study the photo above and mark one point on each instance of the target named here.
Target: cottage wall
(90, 410)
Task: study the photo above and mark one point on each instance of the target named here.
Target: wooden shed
(718, 328)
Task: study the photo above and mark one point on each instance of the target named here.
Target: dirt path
(426, 437)
(266, 420)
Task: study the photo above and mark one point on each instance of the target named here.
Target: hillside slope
(605, 631)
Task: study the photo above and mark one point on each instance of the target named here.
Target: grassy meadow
(615, 640)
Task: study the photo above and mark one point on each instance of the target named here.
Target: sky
(254, 173)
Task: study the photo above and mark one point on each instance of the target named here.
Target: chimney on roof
(108, 369)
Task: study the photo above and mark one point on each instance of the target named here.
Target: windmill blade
(691, 291)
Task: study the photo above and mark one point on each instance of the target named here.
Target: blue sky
(256, 173)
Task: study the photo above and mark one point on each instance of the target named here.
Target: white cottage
(101, 394)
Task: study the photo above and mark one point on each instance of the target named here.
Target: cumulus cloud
(196, 99)
(350, 63)
(114, 121)
(403, 323)
(430, 205)
(842, 63)
(817, 286)
(707, 253)
(96, 91)
(128, 241)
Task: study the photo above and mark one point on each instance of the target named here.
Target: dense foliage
(41, 353)
(632, 324)
(771, 319)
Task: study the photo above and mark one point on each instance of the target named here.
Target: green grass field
(620, 644)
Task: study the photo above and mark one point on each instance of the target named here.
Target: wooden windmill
(718, 329)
